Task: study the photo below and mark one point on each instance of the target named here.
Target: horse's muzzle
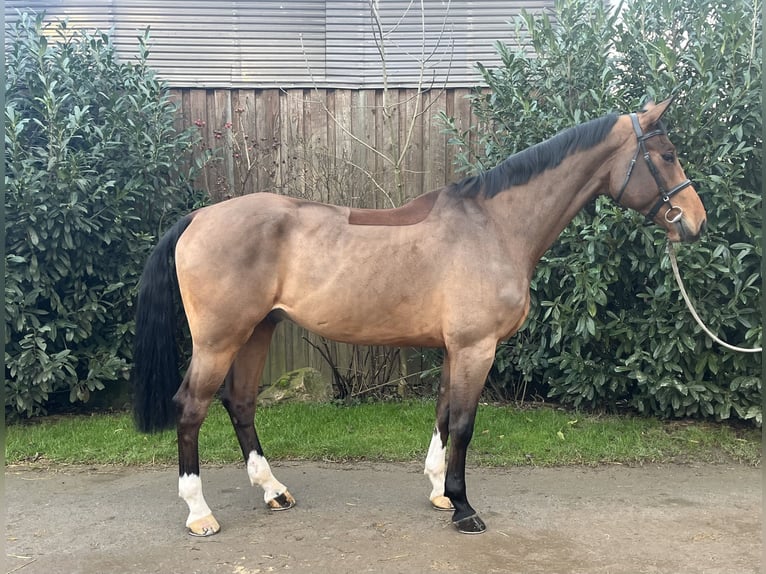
(687, 235)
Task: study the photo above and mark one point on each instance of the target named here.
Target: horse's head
(647, 177)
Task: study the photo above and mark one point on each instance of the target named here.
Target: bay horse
(451, 269)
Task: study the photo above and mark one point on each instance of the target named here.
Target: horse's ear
(652, 113)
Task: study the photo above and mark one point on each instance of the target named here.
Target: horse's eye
(669, 156)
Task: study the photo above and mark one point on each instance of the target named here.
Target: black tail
(155, 374)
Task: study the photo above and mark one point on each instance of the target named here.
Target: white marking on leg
(190, 489)
(436, 467)
(259, 471)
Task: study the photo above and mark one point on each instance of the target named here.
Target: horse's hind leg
(436, 465)
(205, 375)
(239, 396)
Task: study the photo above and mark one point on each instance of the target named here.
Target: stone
(306, 385)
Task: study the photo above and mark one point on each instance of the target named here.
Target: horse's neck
(537, 212)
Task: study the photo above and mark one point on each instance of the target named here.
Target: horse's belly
(368, 322)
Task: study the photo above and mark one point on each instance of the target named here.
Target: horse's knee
(187, 413)
(461, 428)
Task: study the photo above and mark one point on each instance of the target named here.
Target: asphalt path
(370, 517)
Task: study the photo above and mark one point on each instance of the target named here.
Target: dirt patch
(376, 518)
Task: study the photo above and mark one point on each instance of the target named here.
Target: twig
(404, 15)
(21, 566)
(250, 165)
(371, 177)
(388, 383)
(341, 382)
(381, 51)
(332, 116)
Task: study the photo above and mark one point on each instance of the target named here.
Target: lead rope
(674, 265)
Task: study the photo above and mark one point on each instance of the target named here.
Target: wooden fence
(363, 148)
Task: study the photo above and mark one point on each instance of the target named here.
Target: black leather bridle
(674, 213)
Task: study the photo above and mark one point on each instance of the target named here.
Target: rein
(664, 193)
(674, 265)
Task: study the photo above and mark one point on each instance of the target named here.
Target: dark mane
(519, 168)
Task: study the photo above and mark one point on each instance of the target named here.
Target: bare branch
(415, 115)
(371, 177)
(378, 26)
(332, 116)
(398, 23)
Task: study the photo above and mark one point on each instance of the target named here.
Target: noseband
(674, 213)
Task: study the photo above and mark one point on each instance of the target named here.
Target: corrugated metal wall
(301, 43)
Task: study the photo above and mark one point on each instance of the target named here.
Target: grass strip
(503, 436)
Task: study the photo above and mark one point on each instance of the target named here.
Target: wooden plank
(186, 113)
(257, 112)
(221, 186)
(315, 136)
(375, 162)
(445, 151)
(435, 149)
(386, 138)
(315, 121)
(198, 118)
(453, 111)
(365, 126)
(426, 149)
(326, 156)
(245, 129)
(274, 111)
(402, 146)
(181, 122)
(362, 155)
(276, 364)
(244, 112)
(220, 117)
(268, 156)
(293, 338)
(341, 180)
(414, 141)
(406, 144)
(469, 119)
(292, 143)
(396, 125)
(176, 95)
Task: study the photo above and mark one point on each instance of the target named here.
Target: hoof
(284, 501)
(442, 503)
(206, 526)
(471, 525)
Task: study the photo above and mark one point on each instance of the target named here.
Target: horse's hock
(304, 385)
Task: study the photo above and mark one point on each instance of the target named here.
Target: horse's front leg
(436, 460)
(468, 372)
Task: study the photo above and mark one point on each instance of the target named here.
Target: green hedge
(95, 169)
(608, 327)
(94, 166)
